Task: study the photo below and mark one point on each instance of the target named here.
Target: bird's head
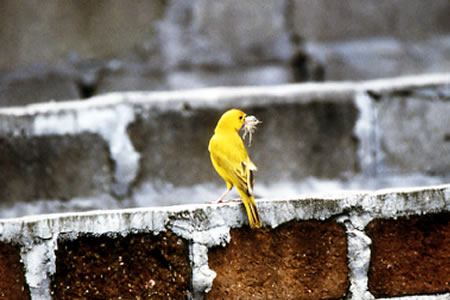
(231, 120)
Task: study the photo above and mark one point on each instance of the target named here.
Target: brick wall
(355, 245)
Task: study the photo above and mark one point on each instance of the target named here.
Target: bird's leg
(220, 200)
(223, 196)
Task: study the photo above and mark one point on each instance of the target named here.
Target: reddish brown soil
(298, 260)
(138, 266)
(12, 276)
(410, 256)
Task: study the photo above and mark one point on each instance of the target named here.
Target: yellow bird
(231, 161)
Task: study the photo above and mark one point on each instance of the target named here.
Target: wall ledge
(208, 225)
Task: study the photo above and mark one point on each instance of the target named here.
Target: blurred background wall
(60, 50)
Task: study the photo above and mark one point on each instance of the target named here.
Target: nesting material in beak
(250, 123)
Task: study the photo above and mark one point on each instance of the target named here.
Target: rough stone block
(53, 167)
(414, 131)
(174, 144)
(298, 260)
(137, 266)
(48, 32)
(380, 57)
(130, 77)
(12, 274)
(326, 21)
(37, 85)
(268, 74)
(298, 140)
(224, 33)
(410, 255)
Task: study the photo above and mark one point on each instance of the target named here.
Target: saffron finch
(231, 161)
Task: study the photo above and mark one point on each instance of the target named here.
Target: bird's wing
(233, 160)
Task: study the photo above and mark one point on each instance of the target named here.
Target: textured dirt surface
(410, 255)
(298, 260)
(12, 277)
(138, 266)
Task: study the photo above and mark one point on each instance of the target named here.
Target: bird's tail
(252, 211)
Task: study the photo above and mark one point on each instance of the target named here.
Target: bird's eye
(240, 117)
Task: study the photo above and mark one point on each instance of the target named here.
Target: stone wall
(146, 149)
(80, 49)
(390, 244)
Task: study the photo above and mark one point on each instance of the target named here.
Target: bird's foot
(224, 201)
(215, 202)
(235, 200)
